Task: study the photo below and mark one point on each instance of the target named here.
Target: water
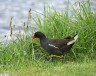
(18, 9)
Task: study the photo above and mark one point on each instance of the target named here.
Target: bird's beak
(33, 37)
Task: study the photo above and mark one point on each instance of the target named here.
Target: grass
(23, 56)
(56, 69)
(60, 25)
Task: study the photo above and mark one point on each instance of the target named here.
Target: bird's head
(39, 35)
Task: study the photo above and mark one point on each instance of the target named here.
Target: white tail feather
(71, 42)
(75, 38)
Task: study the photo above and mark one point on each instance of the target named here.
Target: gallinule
(56, 47)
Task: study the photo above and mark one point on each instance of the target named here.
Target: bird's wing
(57, 43)
(54, 50)
(68, 37)
(61, 42)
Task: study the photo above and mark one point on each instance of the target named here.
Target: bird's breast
(44, 44)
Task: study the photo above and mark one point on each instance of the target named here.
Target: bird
(55, 47)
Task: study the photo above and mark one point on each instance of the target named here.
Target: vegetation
(51, 68)
(25, 57)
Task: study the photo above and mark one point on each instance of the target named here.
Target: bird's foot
(61, 56)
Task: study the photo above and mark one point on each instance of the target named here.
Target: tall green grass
(23, 51)
(81, 22)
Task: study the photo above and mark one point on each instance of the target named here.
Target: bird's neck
(42, 38)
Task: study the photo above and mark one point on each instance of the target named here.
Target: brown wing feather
(59, 42)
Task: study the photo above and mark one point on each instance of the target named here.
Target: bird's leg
(62, 58)
(51, 58)
(55, 56)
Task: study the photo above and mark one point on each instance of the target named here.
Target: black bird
(55, 47)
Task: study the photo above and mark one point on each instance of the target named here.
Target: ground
(54, 69)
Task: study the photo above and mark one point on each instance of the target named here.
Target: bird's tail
(73, 40)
